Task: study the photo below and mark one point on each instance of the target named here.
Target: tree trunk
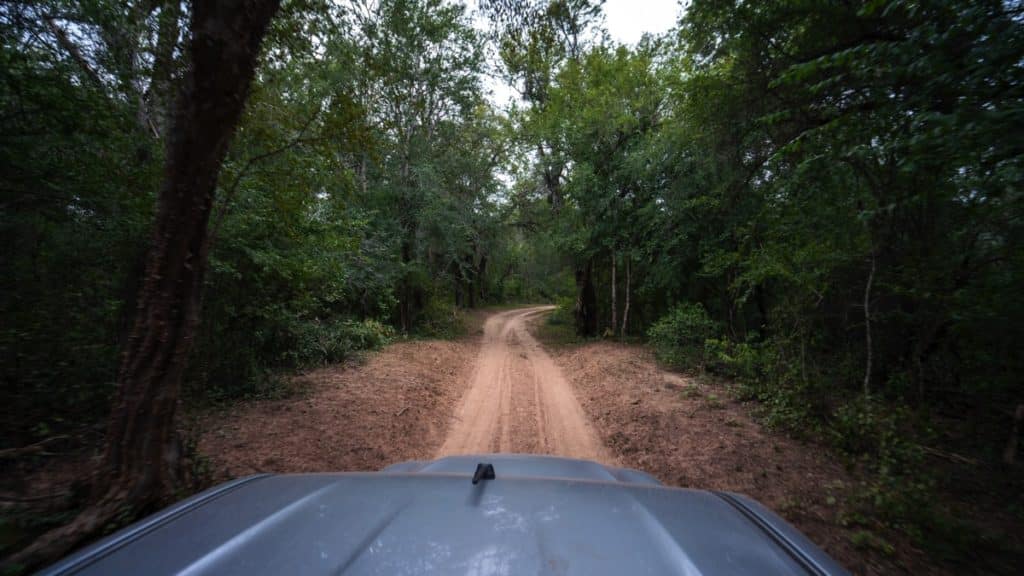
(453, 269)
(140, 466)
(160, 93)
(586, 301)
(481, 273)
(625, 310)
(867, 325)
(362, 174)
(762, 310)
(1010, 452)
(408, 294)
(615, 305)
(405, 288)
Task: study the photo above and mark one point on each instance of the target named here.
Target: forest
(820, 202)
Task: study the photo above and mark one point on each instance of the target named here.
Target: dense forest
(819, 201)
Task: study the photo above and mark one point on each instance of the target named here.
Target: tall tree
(423, 59)
(140, 464)
(536, 40)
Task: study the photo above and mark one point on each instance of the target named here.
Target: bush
(317, 343)
(246, 363)
(440, 319)
(563, 314)
(679, 338)
(747, 362)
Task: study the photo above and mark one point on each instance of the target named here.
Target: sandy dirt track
(518, 399)
(498, 390)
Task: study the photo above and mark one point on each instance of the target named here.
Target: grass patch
(556, 330)
(690, 392)
(714, 402)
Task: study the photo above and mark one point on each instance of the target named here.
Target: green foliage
(748, 362)
(863, 426)
(557, 329)
(562, 314)
(440, 319)
(793, 172)
(679, 337)
(358, 196)
(76, 186)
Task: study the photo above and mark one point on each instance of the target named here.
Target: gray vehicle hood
(540, 515)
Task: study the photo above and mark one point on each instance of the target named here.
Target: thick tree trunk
(586, 301)
(762, 310)
(457, 283)
(625, 310)
(481, 273)
(140, 466)
(615, 305)
(552, 178)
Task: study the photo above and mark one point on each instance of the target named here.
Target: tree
(140, 462)
(423, 60)
(536, 42)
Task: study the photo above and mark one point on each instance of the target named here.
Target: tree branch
(231, 191)
(65, 42)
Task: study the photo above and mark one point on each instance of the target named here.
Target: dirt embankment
(394, 407)
(692, 435)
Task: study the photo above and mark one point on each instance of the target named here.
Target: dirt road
(498, 390)
(518, 400)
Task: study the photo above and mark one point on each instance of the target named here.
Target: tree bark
(161, 93)
(481, 274)
(140, 466)
(586, 301)
(762, 310)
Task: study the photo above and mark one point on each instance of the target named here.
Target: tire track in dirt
(518, 399)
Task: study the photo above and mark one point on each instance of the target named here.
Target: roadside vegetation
(821, 202)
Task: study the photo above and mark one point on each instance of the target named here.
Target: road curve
(518, 400)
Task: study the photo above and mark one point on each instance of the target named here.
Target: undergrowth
(879, 437)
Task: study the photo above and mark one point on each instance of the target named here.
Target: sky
(626, 22)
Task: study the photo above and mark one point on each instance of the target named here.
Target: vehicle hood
(428, 518)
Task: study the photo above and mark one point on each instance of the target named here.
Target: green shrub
(562, 315)
(786, 399)
(679, 338)
(786, 407)
(248, 363)
(881, 431)
(440, 319)
(747, 362)
(317, 343)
